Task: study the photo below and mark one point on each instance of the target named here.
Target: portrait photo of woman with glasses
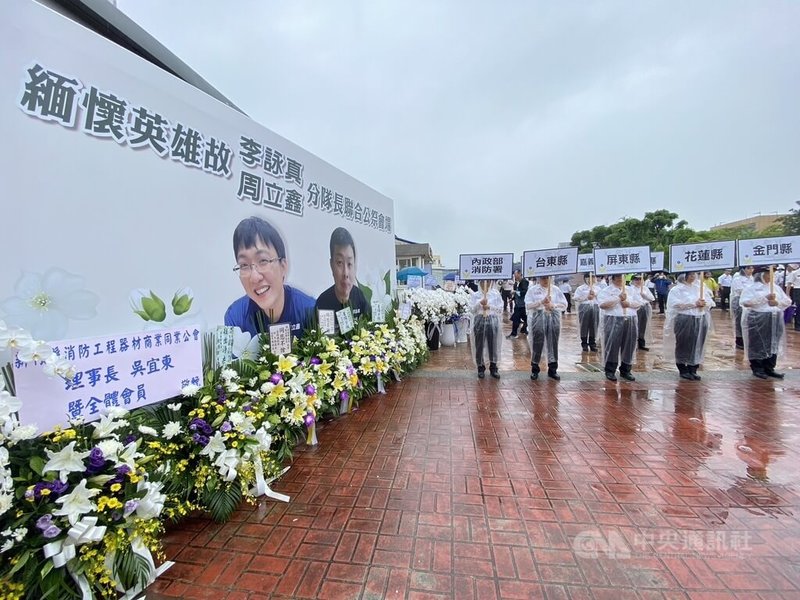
(262, 265)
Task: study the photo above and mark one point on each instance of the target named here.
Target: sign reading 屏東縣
(769, 251)
(485, 266)
(703, 256)
(125, 371)
(633, 259)
(552, 261)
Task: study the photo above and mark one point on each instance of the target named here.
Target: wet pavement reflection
(454, 487)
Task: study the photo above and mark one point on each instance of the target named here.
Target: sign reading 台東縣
(552, 261)
(485, 266)
(703, 256)
(633, 259)
(769, 251)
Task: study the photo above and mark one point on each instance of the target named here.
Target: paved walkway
(451, 487)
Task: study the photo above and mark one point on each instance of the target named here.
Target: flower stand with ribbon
(432, 333)
(311, 429)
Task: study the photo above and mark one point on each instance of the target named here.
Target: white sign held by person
(125, 371)
(552, 261)
(703, 256)
(485, 266)
(414, 281)
(586, 262)
(769, 251)
(657, 261)
(633, 259)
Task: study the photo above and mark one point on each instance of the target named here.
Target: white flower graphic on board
(45, 304)
(377, 285)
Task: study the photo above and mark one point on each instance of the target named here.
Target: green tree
(657, 229)
(790, 224)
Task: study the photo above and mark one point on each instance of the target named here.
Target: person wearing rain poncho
(486, 306)
(544, 303)
(687, 324)
(762, 324)
(618, 321)
(644, 313)
(588, 313)
(740, 281)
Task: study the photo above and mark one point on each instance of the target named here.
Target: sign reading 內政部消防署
(704, 256)
(485, 266)
(610, 261)
(769, 251)
(124, 371)
(552, 261)
(116, 134)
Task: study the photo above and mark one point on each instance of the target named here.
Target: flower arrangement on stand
(79, 514)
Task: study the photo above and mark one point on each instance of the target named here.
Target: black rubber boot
(481, 371)
(693, 372)
(625, 372)
(584, 344)
(552, 371)
(684, 371)
(592, 344)
(534, 372)
(611, 368)
(493, 370)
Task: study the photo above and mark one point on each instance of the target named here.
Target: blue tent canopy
(403, 274)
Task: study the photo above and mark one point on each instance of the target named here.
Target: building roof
(412, 249)
(102, 17)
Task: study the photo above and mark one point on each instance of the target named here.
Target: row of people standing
(621, 316)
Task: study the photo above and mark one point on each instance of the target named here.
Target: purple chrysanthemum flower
(225, 427)
(309, 419)
(310, 390)
(276, 378)
(316, 360)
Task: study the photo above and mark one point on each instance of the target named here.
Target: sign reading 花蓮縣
(125, 371)
(769, 251)
(633, 259)
(552, 261)
(703, 256)
(485, 266)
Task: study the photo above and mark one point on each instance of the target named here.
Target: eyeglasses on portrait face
(262, 265)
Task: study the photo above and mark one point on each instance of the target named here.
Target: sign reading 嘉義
(552, 261)
(656, 261)
(703, 256)
(634, 259)
(769, 251)
(586, 262)
(125, 371)
(485, 266)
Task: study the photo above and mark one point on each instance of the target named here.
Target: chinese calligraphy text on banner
(485, 266)
(126, 371)
(702, 257)
(769, 251)
(633, 259)
(552, 261)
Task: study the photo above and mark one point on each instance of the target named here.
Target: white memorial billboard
(122, 182)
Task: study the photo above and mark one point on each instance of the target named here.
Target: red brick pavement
(451, 487)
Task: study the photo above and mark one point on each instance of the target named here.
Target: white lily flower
(65, 461)
(215, 446)
(105, 427)
(45, 303)
(115, 412)
(264, 439)
(6, 501)
(147, 430)
(152, 504)
(24, 432)
(35, 351)
(77, 503)
(175, 407)
(128, 456)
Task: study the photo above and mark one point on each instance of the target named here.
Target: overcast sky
(507, 126)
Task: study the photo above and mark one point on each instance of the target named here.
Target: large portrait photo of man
(345, 291)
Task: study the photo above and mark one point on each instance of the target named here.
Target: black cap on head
(760, 269)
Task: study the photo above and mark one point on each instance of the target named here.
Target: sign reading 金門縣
(769, 251)
(125, 371)
(586, 262)
(552, 261)
(656, 261)
(633, 259)
(485, 266)
(703, 256)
